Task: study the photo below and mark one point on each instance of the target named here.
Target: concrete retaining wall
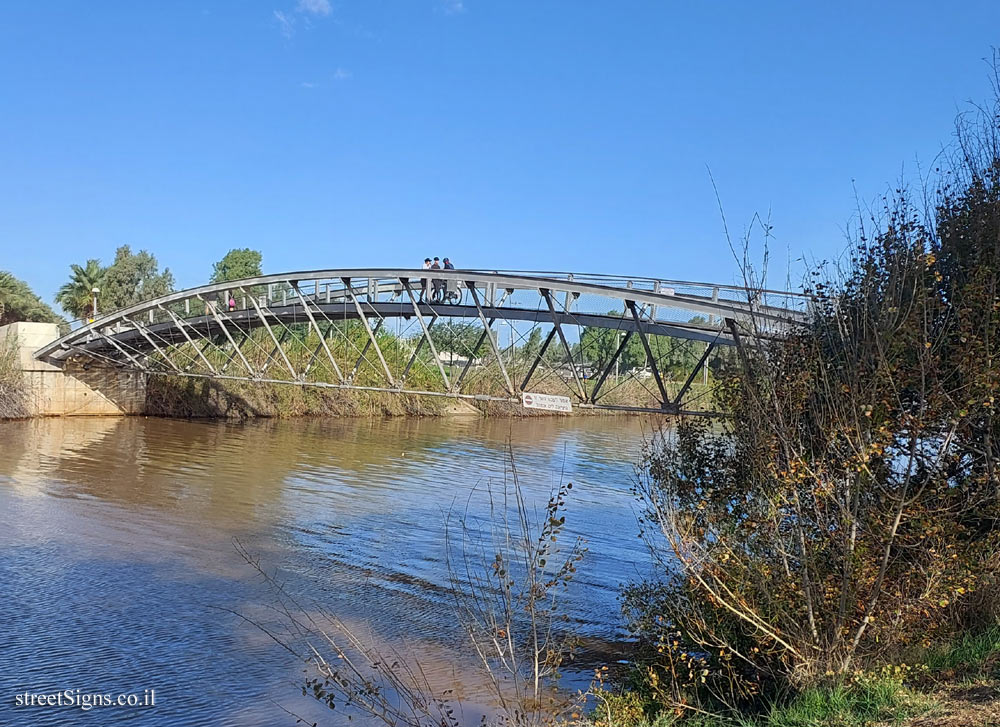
(78, 389)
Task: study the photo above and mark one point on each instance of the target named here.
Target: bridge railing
(668, 301)
(731, 292)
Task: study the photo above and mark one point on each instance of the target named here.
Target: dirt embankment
(963, 705)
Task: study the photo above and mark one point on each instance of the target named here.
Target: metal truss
(370, 330)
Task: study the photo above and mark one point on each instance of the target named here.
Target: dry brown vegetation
(13, 395)
(844, 515)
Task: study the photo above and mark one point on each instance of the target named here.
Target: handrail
(662, 281)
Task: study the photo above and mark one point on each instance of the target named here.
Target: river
(119, 573)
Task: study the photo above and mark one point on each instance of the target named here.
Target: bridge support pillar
(75, 390)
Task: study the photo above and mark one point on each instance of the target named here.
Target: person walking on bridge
(449, 288)
(423, 281)
(436, 282)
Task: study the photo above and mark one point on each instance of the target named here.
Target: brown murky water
(118, 569)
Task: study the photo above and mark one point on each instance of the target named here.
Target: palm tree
(19, 303)
(76, 296)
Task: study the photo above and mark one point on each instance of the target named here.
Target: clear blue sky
(542, 135)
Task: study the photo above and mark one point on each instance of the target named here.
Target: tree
(674, 357)
(843, 512)
(19, 303)
(533, 345)
(457, 338)
(599, 345)
(133, 278)
(237, 264)
(76, 296)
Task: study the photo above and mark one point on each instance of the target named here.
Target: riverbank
(186, 398)
(29, 388)
(952, 685)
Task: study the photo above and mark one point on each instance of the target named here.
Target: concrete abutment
(76, 389)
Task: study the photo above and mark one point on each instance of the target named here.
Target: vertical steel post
(368, 343)
(368, 330)
(215, 314)
(538, 358)
(665, 401)
(740, 347)
(281, 342)
(472, 354)
(427, 332)
(416, 350)
(315, 326)
(562, 337)
(493, 344)
(607, 369)
(694, 372)
(263, 319)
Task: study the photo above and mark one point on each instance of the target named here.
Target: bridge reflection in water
(606, 342)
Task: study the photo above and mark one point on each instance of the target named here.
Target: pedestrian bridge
(606, 342)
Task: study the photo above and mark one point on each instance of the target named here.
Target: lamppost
(95, 291)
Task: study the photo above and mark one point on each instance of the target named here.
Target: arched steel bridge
(468, 334)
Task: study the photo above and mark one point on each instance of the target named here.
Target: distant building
(450, 358)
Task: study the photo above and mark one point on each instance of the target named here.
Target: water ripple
(119, 573)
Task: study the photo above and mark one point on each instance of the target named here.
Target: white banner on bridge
(550, 402)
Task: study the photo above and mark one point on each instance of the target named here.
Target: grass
(185, 397)
(933, 685)
(972, 655)
(970, 659)
(862, 703)
(865, 702)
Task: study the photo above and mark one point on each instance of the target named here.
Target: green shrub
(842, 513)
